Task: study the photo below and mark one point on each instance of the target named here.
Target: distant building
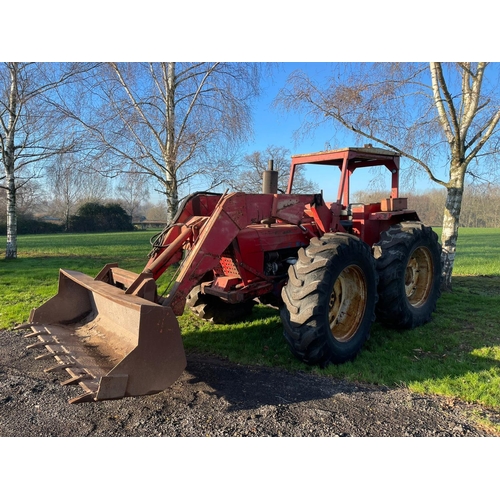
(142, 223)
(51, 218)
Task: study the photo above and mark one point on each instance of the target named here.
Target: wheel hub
(418, 276)
(347, 303)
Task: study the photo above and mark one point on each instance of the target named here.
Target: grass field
(456, 355)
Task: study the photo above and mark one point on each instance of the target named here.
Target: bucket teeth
(75, 379)
(66, 360)
(33, 334)
(42, 343)
(23, 326)
(50, 354)
(59, 366)
(88, 397)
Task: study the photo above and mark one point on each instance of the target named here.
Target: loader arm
(210, 237)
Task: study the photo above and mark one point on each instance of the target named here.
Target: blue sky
(272, 127)
(277, 128)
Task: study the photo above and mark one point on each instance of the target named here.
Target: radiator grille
(227, 265)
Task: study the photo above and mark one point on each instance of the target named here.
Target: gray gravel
(217, 398)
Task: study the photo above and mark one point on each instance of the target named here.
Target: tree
(157, 212)
(72, 182)
(31, 200)
(28, 129)
(172, 121)
(249, 179)
(439, 116)
(94, 216)
(133, 190)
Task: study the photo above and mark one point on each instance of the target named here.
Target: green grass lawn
(457, 354)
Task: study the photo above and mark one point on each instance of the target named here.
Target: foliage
(32, 131)
(73, 181)
(32, 226)
(133, 189)
(95, 217)
(157, 211)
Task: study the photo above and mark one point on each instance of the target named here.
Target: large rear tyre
(329, 300)
(408, 260)
(215, 310)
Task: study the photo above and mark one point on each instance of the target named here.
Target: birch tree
(442, 117)
(28, 129)
(175, 122)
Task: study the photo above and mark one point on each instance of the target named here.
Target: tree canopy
(96, 217)
(175, 122)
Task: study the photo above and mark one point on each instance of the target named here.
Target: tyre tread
(391, 254)
(307, 292)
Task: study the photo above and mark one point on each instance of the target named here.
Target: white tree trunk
(449, 235)
(11, 248)
(9, 165)
(171, 186)
(172, 196)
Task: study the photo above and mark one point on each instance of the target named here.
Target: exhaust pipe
(270, 179)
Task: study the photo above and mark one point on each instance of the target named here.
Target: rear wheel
(329, 300)
(215, 310)
(408, 260)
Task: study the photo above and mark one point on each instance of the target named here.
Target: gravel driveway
(217, 398)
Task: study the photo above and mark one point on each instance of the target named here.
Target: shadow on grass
(456, 354)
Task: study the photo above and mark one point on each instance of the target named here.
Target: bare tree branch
(393, 105)
(168, 119)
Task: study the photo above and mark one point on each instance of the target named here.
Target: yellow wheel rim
(419, 276)
(347, 303)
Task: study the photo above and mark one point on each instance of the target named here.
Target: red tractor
(331, 268)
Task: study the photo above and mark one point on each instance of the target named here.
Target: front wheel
(215, 310)
(329, 300)
(408, 259)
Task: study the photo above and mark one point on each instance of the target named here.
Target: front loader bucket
(111, 343)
